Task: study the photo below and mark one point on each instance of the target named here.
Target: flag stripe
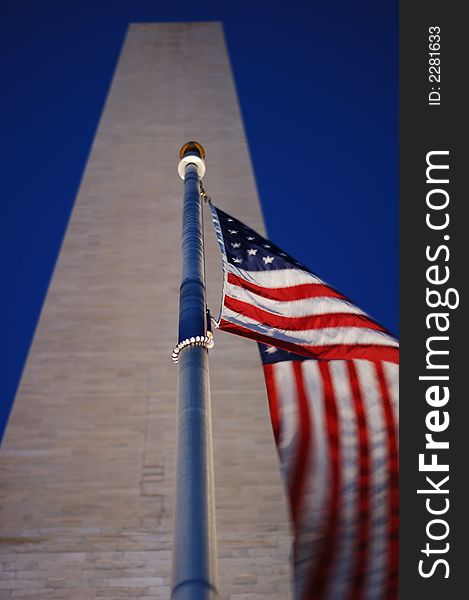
(375, 576)
(293, 308)
(363, 484)
(274, 408)
(287, 293)
(392, 379)
(393, 466)
(342, 567)
(299, 323)
(299, 471)
(333, 351)
(324, 336)
(288, 439)
(314, 508)
(272, 278)
(320, 570)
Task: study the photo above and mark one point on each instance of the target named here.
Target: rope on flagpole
(203, 193)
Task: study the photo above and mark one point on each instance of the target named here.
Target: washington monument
(88, 461)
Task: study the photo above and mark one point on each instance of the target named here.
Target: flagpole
(194, 554)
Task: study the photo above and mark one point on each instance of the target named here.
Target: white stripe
(305, 307)
(326, 336)
(344, 560)
(375, 577)
(313, 519)
(391, 375)
(285, 385)
(275, 278)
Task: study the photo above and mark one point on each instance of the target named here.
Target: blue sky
(319, 79)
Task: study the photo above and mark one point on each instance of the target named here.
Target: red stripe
(300, 323)
(298, 472)
(294, 292)
(274, 406)
(321, 569)
(335, 351)
(392, 580)
(363, 485)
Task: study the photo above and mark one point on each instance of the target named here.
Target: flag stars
(235, 244)
(252, 251)
(267, 246)
(271, 350)
(250, 238)
(237, 260)
(268, 259)
(232, 231)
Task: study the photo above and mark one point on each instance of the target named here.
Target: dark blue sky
(316, 79)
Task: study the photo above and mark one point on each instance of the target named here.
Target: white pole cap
(191, 153)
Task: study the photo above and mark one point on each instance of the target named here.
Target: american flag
(332, 381)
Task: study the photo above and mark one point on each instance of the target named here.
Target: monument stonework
(88, 461)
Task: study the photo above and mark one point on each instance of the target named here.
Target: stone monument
(88, 460)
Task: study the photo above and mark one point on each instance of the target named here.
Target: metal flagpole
(194, 554)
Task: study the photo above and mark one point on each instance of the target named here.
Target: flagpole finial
(191, 153)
